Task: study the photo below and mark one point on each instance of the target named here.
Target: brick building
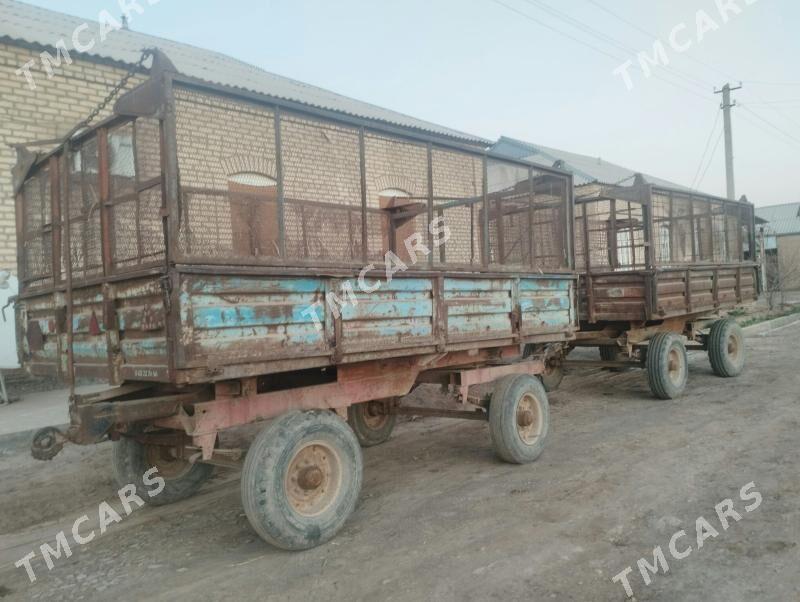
(55, 68)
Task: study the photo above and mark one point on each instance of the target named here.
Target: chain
(121, 84)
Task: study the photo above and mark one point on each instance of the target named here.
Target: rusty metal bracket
(462, 380)
(25, 161)
(91, 421)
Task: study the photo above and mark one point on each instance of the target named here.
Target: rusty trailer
(660, 269)
(223, 258)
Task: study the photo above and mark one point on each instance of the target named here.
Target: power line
(558, 31)
(591, 46)
(761, 128)
(705, 150)
(698, 61)
(654, 36)
(577, 23)
(710, 160)
(777, 102)
(763, 83)
(770, 124)
(784, 114)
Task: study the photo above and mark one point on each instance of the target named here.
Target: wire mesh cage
(613, 231)
(260, 185)
(257, 184)
(36, 240)
(685, 229)
(63, 204)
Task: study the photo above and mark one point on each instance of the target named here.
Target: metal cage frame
(161, 278)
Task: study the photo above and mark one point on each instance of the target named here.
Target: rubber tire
(721, 362)
(129, 463)
(263, 495)
(367, 436)
(657, 365)
(507, 443)
(552, 381)
(610, 353)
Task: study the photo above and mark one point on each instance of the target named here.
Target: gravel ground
(441, 519)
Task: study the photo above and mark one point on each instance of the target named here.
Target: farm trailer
(660, 268)
(223, 258)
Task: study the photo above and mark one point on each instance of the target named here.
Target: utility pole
(726, 113)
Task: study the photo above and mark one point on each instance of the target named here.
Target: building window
(254, 214)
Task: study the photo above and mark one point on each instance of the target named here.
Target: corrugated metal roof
(34, 25)
(584, 168)
(782, 219)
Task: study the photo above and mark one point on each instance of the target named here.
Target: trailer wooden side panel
(236, 325)
(613, 297)
(664, 293)
(118, 332)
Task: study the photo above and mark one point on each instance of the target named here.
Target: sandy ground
(441, 519)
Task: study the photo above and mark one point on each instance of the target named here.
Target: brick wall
(49, 111)
(219, 137)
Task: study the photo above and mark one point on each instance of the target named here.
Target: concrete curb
(12, 443)
(763, 327)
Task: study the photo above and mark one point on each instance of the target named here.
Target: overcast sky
(516, 68)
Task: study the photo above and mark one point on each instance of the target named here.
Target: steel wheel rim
(313, 479)
(675, 365)
(529, 419)
(551, 368)
(374, 416)
(166, 460)
(733, 347)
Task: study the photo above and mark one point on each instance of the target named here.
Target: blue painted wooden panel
(240, 318)
(397, 314)
(546, 305)
(248, 318)
(478, 308)
(142, 337)
(90, 351)
(41, 310)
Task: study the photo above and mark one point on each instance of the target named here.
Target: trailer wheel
(371, 422)
(552, 376)
(612, 353)
(667, 365)
(131, 459)
(301, 479)
(726, 348)
(519, 418)
(553, 369)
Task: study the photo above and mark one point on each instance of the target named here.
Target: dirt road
(441, 519)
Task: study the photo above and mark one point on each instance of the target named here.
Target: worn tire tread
(264, 464)
(657, 351)
(129, 465)
(502, 420)
(366, 436)
(718, 348)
